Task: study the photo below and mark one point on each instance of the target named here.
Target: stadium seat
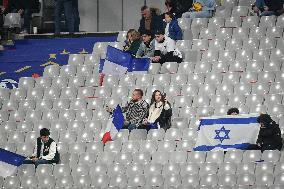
(267, 21)
(234, 43)
(156, 134)
(250, 21)
(76, 59)
(51, 71)
(150, 146)
(217, 44)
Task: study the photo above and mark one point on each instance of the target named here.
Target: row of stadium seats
(242, 181)
(188, 97)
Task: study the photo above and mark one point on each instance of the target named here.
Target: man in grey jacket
(147, 48)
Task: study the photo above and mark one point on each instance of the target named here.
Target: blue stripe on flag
(234, 121)
(102, 63)
(11, 158)
(139, 64)
(243, 146)
(118, 119)
(118, 56)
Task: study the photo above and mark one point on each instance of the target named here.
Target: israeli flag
(227, 132)
(118, 62)
(9, 162)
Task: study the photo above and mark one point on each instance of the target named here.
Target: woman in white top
(160, 111)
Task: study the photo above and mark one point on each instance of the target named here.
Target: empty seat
(154, 181)
(76, 59)
(246, 179)
(217, 44)
(233, 22)
(267, 43)
(250, 21)
(227, 168)
(19, 94)
(234, 156)
(264, 167)
(65, 181)
(169, 67)
(267, 21)
(84, 70)
(227, 180)
(209, 180)
(68, 70)
(154, 68)
(227, 56)
(138, 134)
(51, 71)
(162, 80)
(234, 43)
(26, 82)
(240, 11)
(240, 33)
(207, 33)
(257, 32)
(251, 156)
(224, 33)
(199, 44)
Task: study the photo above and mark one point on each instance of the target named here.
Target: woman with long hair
(160, 111)
(133, 41)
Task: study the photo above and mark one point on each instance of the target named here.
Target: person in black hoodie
(269, 137)
(25, 8)
(45, 150)
(268, 7)
(160, 112)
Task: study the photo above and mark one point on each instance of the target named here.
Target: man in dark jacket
(25, 8)
(45, 150)
(269, 137)
(150, 22)
(268, 7)
(67, 7)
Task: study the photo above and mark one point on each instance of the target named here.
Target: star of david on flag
(226, 132)
(222, 134)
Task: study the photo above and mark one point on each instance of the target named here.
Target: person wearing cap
(45, 151)
(233, 111)
(147, 47)
(201, 9)
(165, 49)
(269, 137)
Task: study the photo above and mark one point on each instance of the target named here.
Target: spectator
(133, 41)
(165, 49)
(25, 8)
(268, 7)
(201, 9)
(269, 137)
(160, 111)
(233, 111)
(135, 110)
(149, 22)
(76, 15)
(147, 48)
(45, 150)
(172, 29)
(65, 5)
(177, 7)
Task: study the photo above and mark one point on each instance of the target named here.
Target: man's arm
(52, 151)
(140, 51)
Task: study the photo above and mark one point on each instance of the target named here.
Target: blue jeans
(76, 15)
(66, 6)
(27, 18)
(38, 162)
(200, 14)
(260, 4)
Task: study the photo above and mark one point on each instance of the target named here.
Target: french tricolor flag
(118, 62)
(114, 125)
(9, 162)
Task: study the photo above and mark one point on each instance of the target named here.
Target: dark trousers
(27, 15)
(76, 15)
(66, 6)
(38, 162)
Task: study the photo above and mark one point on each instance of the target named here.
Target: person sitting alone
(269, 137)
(172, 29)
(160, 112)
(165, 49)
(233, 111)
(147, 47)
(135, 111)
(201, 9)
(45, 151)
